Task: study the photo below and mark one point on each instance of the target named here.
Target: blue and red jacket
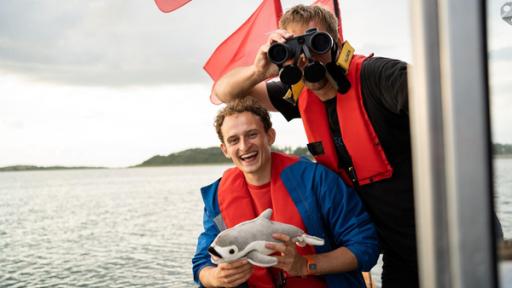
(327, 207)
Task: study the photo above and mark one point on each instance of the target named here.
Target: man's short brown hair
(304, 14)
(247, 104)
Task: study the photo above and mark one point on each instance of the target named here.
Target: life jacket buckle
(352, 174)
(281, 280)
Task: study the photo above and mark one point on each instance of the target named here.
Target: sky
(113, 83)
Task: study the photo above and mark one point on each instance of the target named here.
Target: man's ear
(271, 136)
(224, 150)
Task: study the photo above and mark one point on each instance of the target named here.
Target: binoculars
(312, 41)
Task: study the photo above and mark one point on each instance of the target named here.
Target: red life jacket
(236, 205)
(368, 158)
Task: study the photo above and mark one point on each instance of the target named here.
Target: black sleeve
(386, 80)
(276, 90)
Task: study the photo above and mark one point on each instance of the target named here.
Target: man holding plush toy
(301, 193)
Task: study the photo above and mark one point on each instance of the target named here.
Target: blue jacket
(329, 209)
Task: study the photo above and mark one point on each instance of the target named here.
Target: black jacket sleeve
(387, 79)
(276, 90)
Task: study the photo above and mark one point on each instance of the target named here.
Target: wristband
(311, 266)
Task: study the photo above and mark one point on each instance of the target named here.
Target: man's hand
(289, 260)
(262, 64)
(250, 80)
(226, 274)
(338, 260)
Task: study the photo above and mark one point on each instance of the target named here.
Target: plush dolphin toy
(247, 239)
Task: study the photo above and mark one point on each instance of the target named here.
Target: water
(503, 194)
(118, 227)
(101, 228)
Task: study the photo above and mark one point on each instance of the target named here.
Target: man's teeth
(249, 155)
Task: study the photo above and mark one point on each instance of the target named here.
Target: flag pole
(336, 6)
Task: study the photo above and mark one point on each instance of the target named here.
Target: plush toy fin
(308, 239)
(266, 214)
(261, 260)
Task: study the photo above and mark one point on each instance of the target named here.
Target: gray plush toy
(247, 239)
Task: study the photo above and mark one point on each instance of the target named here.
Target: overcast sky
(114, 82)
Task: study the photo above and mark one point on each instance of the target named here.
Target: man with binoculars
(355, 114)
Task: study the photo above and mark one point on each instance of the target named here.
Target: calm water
(118, 227)
(503, 195)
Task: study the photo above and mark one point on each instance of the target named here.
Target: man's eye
(233, 141)
(253, 134)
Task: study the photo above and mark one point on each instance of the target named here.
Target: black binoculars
(316, 42)
(312, 41)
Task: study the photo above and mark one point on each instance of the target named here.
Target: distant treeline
(502, 149)
(299, 151)
(210, 155)
(213, 155)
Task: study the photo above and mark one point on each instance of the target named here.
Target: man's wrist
(257, 74)
(311, 265)
(207, 276)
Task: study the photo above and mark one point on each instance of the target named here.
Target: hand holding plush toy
(247, 239)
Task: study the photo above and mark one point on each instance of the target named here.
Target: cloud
(130, 42)
(113, 43)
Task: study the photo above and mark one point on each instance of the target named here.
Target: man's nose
(301, 63)
(244, 143)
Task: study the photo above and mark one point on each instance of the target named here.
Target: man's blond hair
(246, 104)
(305, 14)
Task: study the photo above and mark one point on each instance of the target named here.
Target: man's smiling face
(248, 145)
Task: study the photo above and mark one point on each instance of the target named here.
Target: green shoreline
(503, 156)
(189, 157)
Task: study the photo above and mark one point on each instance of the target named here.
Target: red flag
(240, 48)
(167, 6)
(334, 7)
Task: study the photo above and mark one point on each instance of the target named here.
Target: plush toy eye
(231, 251)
